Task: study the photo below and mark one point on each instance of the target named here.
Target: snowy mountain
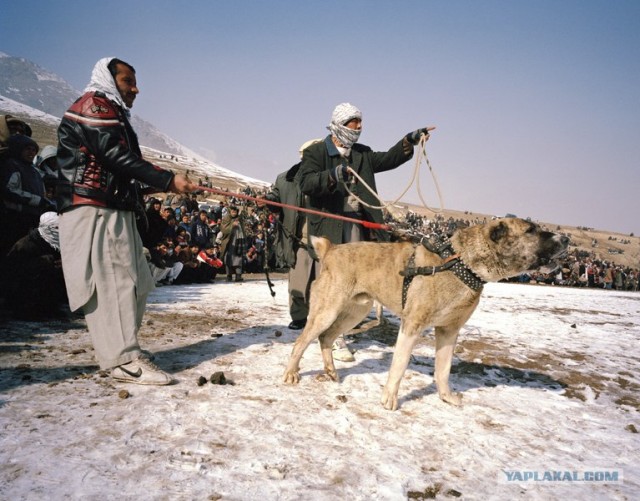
(41, 98)
(28, 83)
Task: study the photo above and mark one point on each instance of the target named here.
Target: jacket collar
(331, 148)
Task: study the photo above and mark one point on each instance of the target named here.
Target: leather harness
(452, 261)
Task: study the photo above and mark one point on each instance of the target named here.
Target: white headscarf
(48, 229)
(102, 81)
(342, 114)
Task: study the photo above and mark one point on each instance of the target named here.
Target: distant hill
(40, 97)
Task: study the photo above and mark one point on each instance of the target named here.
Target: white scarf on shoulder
(102, 81)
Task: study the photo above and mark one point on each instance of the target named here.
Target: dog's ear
(498, 231)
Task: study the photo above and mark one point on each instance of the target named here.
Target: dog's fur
(354, 275)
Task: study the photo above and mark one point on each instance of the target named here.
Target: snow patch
(67, 434)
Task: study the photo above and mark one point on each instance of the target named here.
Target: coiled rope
(422, 153)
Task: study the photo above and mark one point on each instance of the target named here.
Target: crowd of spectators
(187, 241)
(579, 269)
(188, 238)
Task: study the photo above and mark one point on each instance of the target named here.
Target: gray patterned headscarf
(342, 114)
(102, 81)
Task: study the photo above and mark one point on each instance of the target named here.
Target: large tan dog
(354, 275)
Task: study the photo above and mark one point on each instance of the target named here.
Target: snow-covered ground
(549, 376)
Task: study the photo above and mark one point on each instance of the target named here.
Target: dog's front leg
(446, 338)
(407, 337)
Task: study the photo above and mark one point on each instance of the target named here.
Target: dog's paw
(389, 401)
(291, 377)
(328, 376)
(452, 398)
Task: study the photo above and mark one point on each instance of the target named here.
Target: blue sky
(537, 104)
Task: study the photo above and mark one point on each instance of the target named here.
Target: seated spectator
(156, 225)
(185, 222)
(11, 126)
(255, 255)
(168, 212)
(200, 230)
(23, 191)
(190, 266)
(194, 270)
(218, 212)
(191, 204)
(208, 257)
(32, 279)
(180, 211)
(164, 268)
(46, 162)
(170, 230)
(182, 236)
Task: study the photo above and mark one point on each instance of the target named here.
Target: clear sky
(536, 103)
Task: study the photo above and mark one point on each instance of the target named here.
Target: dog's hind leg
(446, 338)
(407, 338)
(317, 325)
(349, 318)
(382, 320)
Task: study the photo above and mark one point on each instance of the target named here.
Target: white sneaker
(141, 371)
(341, 352)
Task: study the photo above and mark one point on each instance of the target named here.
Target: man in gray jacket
(325, 176)
(290, 242)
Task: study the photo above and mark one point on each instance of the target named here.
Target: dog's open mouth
(549, 264)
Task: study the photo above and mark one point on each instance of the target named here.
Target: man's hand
(340, 173)
(414, 137)
(182, 184)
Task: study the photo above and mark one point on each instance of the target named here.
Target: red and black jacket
(99, 157)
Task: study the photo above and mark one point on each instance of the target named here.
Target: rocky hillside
(44, 128)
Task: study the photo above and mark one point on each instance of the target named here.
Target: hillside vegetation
(603, 244)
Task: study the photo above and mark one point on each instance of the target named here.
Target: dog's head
(508, 247)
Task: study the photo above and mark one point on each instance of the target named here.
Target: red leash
(366, 224)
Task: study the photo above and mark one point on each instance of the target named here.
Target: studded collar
(452, 262)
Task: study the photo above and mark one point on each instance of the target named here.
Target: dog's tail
(321, 246)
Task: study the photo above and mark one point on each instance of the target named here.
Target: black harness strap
(452, 262)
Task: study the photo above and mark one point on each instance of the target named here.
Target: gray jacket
(286, 191)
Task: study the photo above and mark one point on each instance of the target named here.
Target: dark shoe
(296, 325)
(229, 278)
(239, 279)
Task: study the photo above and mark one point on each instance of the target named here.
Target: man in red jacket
(102, 179)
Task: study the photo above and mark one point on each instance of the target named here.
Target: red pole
(366, 224)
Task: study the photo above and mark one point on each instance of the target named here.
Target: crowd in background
(187, 238)
(579, 269)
